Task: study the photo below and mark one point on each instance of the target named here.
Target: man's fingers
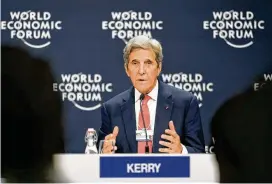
(110, 140)
(167, 137)
(109, 147)
(165, 150)
(166, 144)
(115, 131)
(108, 137)
(171, 132)
(113, 135)
(109, 150)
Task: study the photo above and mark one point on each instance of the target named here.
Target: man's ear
(159, 68)
(126, 69)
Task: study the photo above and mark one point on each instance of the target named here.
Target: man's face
(143, 70)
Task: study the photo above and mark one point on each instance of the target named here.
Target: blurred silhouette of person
(32, 128)
(242, 131)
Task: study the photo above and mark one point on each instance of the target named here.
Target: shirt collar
(153, 94)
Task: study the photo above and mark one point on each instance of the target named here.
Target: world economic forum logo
(191, 82)
(259, 85)
(236, 28)
(128, 24)
(30, 26)
(85, 91)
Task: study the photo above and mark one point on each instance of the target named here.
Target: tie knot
(145, 100)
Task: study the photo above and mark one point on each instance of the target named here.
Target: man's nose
(142, 69)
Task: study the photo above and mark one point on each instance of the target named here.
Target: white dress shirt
(152, 106)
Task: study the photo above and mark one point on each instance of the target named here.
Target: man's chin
(142, 90)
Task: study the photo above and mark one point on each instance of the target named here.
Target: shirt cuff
(184, 150)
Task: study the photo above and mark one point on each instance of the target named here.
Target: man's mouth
(141, 80)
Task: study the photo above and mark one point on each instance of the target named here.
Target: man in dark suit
(168, 120)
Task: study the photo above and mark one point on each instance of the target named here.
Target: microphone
(146, 142)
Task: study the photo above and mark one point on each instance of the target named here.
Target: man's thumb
(171, 126)
(115, 131)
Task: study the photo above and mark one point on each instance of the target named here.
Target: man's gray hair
(143, 42)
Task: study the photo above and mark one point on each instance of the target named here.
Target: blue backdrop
(81, 38)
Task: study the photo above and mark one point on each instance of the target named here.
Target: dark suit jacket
(172, 104)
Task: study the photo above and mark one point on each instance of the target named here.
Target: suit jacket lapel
(129, 121)
(163, 115)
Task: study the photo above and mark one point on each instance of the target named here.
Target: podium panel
(137, 168)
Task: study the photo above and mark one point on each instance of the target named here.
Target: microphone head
(142, 96)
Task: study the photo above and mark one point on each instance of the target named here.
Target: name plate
(144, 166)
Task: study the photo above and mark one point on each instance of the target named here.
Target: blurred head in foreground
(242, 131)
(31, 117)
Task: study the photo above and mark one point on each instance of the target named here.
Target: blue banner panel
(142, 166)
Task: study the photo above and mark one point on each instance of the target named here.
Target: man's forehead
(143, 60)
(144, 57)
